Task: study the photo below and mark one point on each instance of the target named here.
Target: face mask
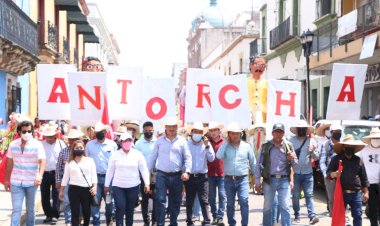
(100, 136)
(327, 133)
(26, 136)
(301, 132)
(196, 137)
(337, 136)
(127, 145)
(148, 135)
(78, 152)
(349, 151)
(375, 143)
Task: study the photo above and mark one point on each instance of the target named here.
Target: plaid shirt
(327, 153)
(63, 158)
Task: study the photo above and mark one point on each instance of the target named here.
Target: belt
(101, 175)
(350, 191)
(50, 172)
(278, 176)
(198, 174)
(234, 177)
(170, 173)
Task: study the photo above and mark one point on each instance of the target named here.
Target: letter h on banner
(280, 102)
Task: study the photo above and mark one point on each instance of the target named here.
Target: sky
(152, 33)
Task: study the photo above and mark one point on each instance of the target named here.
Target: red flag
(339, 210)
(106, 119)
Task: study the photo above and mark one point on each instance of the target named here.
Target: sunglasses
(92, 66)
(26, 131)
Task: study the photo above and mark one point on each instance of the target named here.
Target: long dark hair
(72, 156)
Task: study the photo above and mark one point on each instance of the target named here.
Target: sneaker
(314, 220)
(214, 220)
(196, 218)
(47, 220)
(297, 220)
(219, 221)
(53, 221)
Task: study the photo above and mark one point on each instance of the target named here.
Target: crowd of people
(207, 162)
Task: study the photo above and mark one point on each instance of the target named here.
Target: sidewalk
(6, 206)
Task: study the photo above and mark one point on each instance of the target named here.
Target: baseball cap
(278, 126)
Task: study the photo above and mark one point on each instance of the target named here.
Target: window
(314, 101)
(281, 11)
(263, 32)
(240, 65)
(348, 6)
(326, 92)
(295, 17)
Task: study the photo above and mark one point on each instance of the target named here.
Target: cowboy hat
(99, 126)
(349, 140)
(132, 124)
(74, 134)
(256, 126)
(301, 124)
(171, 121)
(125, 136)
(197, 126)
(120, 130)
(320, 131)
(214, 125)
(49, 129)
(234, 127)
(375, 133)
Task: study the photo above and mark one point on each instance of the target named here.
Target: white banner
(229, 98)
(124, 85)
(284, 104)
(346, 91)
(87, 91)
(53, 97)
(158, 100)
(347, 23)
(197, 108)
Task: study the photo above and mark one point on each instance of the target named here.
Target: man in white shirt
(52, 147)
(370, 155)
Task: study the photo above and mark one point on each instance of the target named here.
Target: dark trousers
(197, 185)
(374, 204)
(80, 197)
(145, 204)
(125, 204)
(355, 202)
(47, 188)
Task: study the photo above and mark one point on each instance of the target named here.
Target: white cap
(335, 126)
(125, 136)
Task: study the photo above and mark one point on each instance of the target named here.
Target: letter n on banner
(87, 91)
(284, 103)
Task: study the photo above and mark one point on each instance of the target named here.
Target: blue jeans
(217, 183)
(197, 207)
(241, 187)
(174, 184)
(282, 187)
(95, 210)
(276, 209)
(305, 181)
(125, 199)
(18, 194)
(355, 202)
(66, 203)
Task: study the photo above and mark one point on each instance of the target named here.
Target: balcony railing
(368, 17)
(325, 38)
(323, 8)
(66, 50)
(281, 34)
(48, 35)
(17, 27)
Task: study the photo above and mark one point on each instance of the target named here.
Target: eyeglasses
(92, 66)
(259, 65)
(26, 131)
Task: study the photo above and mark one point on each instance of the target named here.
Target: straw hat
(256, 126)
(302, 124)
(375, 133)
(49, 129)
(99, 126)
(125, 136)
(320, 131)
(74, 134)
(349, 140)
(120, 130)
(234, 127)
(197, 126)
(214, 125)
(132, 124)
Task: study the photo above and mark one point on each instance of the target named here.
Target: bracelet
(39, 177)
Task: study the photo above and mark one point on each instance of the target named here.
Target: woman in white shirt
(124, 169)
(80, 175)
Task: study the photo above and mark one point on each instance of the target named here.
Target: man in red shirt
(216, 175)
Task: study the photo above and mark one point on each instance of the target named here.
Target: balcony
(368, 18)
(48, 36)
(281, 34)
(18, 39)
(325, 38)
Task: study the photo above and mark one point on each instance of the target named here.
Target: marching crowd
(208, 162)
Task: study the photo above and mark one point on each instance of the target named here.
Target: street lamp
(307, 42)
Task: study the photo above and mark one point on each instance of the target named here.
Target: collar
(167, 139)
(152, 140)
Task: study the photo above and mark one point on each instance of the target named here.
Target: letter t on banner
(346, 91)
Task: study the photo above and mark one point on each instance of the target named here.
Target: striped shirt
(25, 163)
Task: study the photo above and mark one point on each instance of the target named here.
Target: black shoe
(53, 221)
(47, 220)
(314, 220)
(219, 221)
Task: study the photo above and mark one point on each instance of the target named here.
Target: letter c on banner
(222, 97)
(149, 108)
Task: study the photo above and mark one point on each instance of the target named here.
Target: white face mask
(26, 136)
(327, 133)
(375, 142)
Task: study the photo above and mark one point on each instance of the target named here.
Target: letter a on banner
(284, 103)
(346, 91)
(53, 93)
(87, 91)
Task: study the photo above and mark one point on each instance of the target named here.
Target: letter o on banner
(149, 108)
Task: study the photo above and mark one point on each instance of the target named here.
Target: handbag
(94, 199)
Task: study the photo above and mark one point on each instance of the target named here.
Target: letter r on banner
(347, 96)
(149, 108)
(290, 103)
(222, 97)
(202, 94)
